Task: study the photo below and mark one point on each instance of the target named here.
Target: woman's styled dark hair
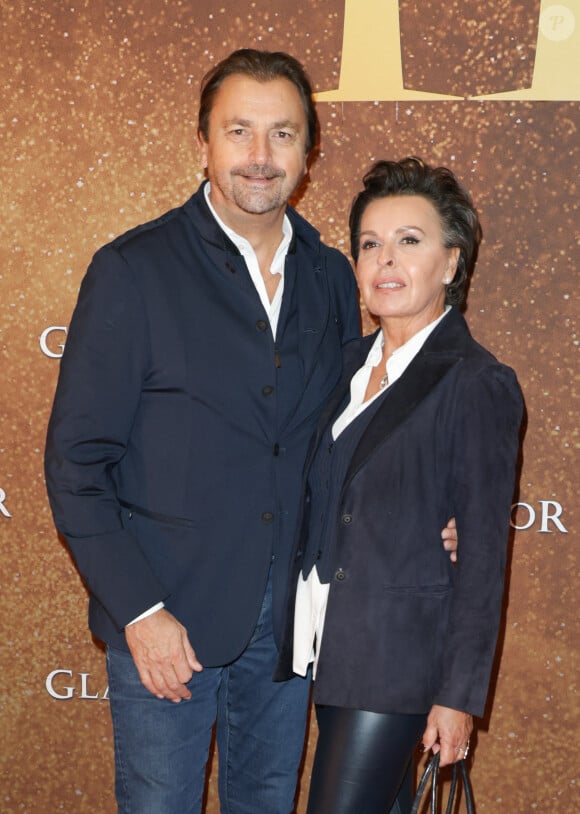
(459, 220)
(263, 66)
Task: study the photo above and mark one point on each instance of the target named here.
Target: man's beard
(259, 201)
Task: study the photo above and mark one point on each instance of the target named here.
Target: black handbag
(432, 772)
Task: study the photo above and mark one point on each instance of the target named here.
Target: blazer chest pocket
(418, 590)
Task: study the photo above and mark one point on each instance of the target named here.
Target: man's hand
(448, 732)
(449, 537)
(163, 655)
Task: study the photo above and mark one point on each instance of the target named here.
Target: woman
(423, 426)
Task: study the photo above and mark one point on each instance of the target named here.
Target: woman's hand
(449, 537)
(448, 732)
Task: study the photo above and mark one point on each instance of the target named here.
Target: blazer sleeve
(101, 376)
(486, 426)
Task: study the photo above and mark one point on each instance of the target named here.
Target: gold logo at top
(429, 51)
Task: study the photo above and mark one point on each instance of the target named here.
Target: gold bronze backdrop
(99, 103)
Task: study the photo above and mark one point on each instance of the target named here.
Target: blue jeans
(161, 748)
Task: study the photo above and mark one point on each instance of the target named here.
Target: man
(199, 355)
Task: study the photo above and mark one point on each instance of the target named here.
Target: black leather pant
(363, 762)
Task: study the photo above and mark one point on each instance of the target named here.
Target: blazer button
(340, 575)
(267, 517)
(267, 390)
(261, 325)
(346, 519)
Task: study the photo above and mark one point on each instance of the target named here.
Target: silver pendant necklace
(385, 379)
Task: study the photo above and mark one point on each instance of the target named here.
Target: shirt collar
(398, 361)
(243, 245)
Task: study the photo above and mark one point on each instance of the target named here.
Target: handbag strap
(432, 773)
(467, 789)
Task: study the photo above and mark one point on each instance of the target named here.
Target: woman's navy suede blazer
(405, 629)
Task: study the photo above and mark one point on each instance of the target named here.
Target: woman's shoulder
(476, 356)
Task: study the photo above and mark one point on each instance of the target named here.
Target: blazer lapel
(440, 353)
(306, 271)
(354, 355)
(313, 307)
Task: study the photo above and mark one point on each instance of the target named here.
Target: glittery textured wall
(99, 101)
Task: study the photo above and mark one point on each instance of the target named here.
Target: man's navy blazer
(179, 429)
(404, 628)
